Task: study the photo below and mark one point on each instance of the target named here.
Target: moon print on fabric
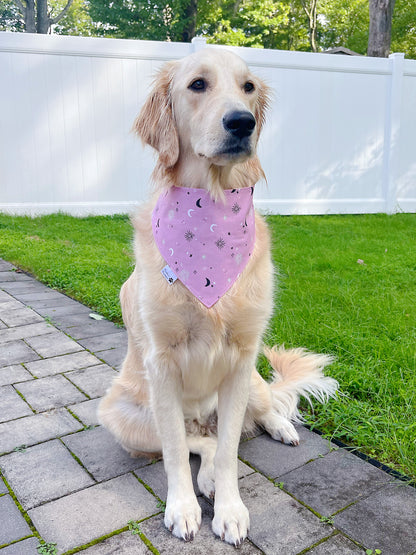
(212, 241)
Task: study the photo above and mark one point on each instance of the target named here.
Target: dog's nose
(240, 124)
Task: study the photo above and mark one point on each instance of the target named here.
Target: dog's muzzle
(239, 126)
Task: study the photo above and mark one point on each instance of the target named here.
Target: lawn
(347, 287)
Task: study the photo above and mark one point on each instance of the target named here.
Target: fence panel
(339, 137)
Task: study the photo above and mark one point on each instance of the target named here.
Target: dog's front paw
(231, 522)
(183, 517)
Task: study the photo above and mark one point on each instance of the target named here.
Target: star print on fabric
(220, 243)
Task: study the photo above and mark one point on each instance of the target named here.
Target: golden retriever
(188, 383)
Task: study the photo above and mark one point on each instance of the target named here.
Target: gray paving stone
(21, 317)
(87, 412)
(15, 288)
(2, 325)
(11, 404)
(34, 429)
(5, 297)
(205, 541)
(21, 332)
(154, 476)
(48, 295)
(81, 517)
(278, 523)
(8, 305)
(106, 342)
(273, 458)
(338, 545)
(113, 357)
(50, 392)
(13, 525)
(24, 547)
(61, 364)
(53, 344)
(13, 374)
(385, 520)
(13, 352)
(42, 473)
(71, 320)
(107, 459)
(50, 301)
(4, 265)
(331, 483)
(3, 487)
(59, 312)
(125, 543)
(87, 328)
(11, 275)
(94, 381)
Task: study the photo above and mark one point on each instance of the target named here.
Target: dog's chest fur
(203, 344)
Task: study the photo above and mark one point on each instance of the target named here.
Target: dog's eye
(248, 87)
(198, 85)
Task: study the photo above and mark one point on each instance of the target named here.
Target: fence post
(198, 43)
(392, 133)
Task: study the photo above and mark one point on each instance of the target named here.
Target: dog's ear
(155, 124)
(262, 104)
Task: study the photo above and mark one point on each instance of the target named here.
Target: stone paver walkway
(64, 480)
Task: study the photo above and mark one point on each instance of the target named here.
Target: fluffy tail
(298, 373)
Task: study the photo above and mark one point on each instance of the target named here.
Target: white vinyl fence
(340, 137)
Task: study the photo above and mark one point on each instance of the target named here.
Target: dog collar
(205, 243)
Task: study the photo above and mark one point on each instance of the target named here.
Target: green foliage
(361, 313)
(327, 520)
(10, 17)
(47, 548)
(88, 258)
(404, 28)
(77, 20)
(342, 24)
(134, 526)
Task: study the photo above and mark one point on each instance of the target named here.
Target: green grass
(363, 313)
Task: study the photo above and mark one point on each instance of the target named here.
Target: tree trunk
(379, 37)
(29, 16)
(190, 14)
(310, 8)
(38, 21)
(42, 17)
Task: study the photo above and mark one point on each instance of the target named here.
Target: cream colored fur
(188, 382)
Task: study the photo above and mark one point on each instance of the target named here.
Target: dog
(195, 321)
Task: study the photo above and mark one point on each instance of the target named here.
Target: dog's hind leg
(125, 409)
(296, 372)
(261, 411)
(206, 448)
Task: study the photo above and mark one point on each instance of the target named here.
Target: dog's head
(207, 106)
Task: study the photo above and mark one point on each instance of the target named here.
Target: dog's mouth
(234, 149)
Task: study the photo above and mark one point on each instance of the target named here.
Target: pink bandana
(205, 243)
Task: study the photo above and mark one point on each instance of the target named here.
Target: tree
(37, 16)
(379, 38)
(342, 24)
(310, 9)
(10, 17)
(403, 37)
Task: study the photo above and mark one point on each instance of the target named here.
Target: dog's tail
(297, 372)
